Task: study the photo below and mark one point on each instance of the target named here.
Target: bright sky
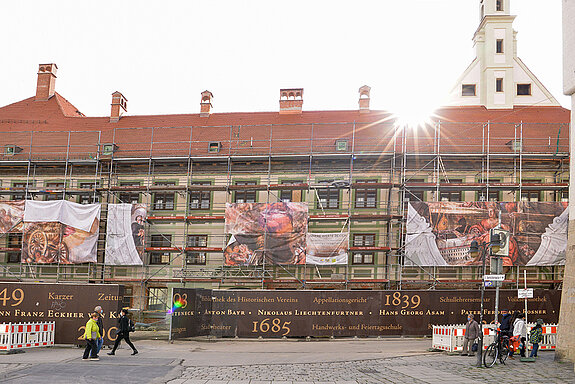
(162, 54)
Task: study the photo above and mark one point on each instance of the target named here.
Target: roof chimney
(364, 99)
(206, 104)
(46, 86)
(119, 106)
(291, 101)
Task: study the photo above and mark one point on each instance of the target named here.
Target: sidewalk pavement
(346, 361)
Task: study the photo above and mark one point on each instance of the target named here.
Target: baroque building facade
(503, 138)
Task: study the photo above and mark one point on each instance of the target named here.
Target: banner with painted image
(273, 233)
(125, 234)
(327, 248)
(11, 215)
(60, 232)
(440, 233)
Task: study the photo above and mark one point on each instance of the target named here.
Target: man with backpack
(125, 326)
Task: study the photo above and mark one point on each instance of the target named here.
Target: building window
(468, 90)
(499, 85)
(129, 197)
(55, 195)
(328, 198)
(341, 145)
(14, 241)
(200, 199)
(451, 195)
(160, 241)
(499, 5)
(562, 196)
(414, 195)
(366, 198)
(493, 196)
(523, 89)
(499, 46)
(532, 196)
(20, 195)
(88, 197)
(245, 196)
(289, 195)
(195, 257)
(214, 146)
(164, 201)
(157, 299)
(363, 240)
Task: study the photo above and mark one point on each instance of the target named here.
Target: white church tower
(497, 78)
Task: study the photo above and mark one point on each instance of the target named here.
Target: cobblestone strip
(437, 368)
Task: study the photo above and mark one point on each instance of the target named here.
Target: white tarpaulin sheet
(327, 248)
(124, 240)
(80, 216)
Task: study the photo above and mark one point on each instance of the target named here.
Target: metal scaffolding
(475, 161)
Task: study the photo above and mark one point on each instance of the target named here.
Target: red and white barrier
(26, 335)
(450, 337)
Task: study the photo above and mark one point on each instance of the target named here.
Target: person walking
(124, 330)
(535, 337)
(91, 335)
(100, 323)
(520, 329)
(506, 323)
(471, 333)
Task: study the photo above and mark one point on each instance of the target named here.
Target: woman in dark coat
(123, 333)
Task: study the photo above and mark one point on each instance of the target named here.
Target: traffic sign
(493, 277)
(525, 293)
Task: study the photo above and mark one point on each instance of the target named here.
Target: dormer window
(468, 90)
(499, 5)
(214, 146)
(523, 89)
(499, 46)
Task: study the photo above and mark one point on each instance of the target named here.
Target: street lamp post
(474, 250)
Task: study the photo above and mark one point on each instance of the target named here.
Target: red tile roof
(463, 129)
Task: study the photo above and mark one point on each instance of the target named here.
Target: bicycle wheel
(504, 350)
(490, 356)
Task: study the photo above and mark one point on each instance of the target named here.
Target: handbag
(474, 347)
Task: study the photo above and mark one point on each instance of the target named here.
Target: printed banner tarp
(274, 232)
(125, 234)
(11, 215)
(60, 232)
(440, 233)
(58, 243)
(327, 248)
(80, 216)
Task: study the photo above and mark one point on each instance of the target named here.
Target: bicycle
(499, 349)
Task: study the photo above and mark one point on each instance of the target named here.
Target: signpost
(493, 277)
(525, 293)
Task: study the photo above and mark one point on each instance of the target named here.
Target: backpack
(131, 325)
(536, 335)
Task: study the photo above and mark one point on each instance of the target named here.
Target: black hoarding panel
(69, 305)
(346, 313)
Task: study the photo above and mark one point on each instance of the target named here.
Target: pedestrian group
(94, 334)
(512, 326)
